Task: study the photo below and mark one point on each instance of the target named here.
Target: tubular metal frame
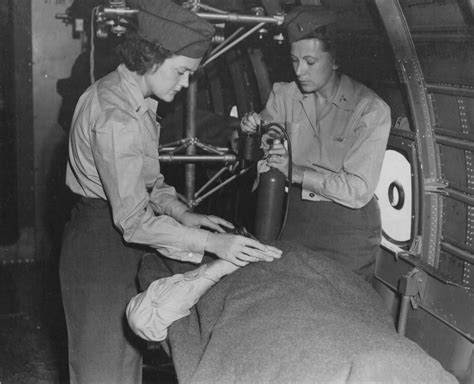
(191, 143)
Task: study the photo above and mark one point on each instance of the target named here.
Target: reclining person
(302, 318)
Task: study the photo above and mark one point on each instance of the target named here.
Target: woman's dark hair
(140, 55)
(327, 35)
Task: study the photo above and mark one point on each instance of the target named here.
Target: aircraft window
(394, 193)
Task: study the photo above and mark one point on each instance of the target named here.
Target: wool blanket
(303, 318)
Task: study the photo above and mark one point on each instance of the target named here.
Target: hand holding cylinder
(278, 157)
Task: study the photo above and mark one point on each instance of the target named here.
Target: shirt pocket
(334, 151)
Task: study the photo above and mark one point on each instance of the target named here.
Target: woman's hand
(191, 219)
(240, 250)
(250, 122)
(278, 158)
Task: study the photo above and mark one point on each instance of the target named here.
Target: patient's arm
(151, 312)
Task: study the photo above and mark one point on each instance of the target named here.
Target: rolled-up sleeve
(151, 312)
(117, 147)
(355, 184)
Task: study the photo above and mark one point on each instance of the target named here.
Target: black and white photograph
(237, 192)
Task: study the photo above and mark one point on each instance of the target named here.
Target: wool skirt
(350, 236)
(98, 277)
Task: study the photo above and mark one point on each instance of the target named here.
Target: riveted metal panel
(467, 277)
(468, 110)
(465, 109)
(421, 13)
(454, 166)
(455, 221)
(438, 296)
(446, 113)
(453, 112)
(451, 267)
(447, 346)
(447, 61)
(459, 313)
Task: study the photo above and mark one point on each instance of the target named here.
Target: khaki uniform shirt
(341, 152)
(113, 155)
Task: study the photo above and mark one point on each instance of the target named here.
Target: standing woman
(123, 201)
(339, 130)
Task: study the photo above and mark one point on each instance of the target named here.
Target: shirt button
(311, 194)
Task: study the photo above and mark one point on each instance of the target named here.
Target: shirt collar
(344, 97)
(139, 103)
(345, 94)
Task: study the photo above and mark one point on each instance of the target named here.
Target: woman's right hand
(240, 250)
(250, 121)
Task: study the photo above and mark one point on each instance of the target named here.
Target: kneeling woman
(123, 201)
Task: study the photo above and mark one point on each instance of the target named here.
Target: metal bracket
(413, 285)
(437, 186)
(414, 251)
(402, 123)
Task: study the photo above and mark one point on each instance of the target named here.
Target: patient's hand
(219, 268)
(240, 250)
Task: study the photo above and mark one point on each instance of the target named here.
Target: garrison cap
(175, 28)
(303, 20)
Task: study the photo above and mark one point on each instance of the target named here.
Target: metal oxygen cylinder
(270, 203)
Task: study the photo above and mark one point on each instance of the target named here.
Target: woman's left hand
(278, 158)
(215, 223)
